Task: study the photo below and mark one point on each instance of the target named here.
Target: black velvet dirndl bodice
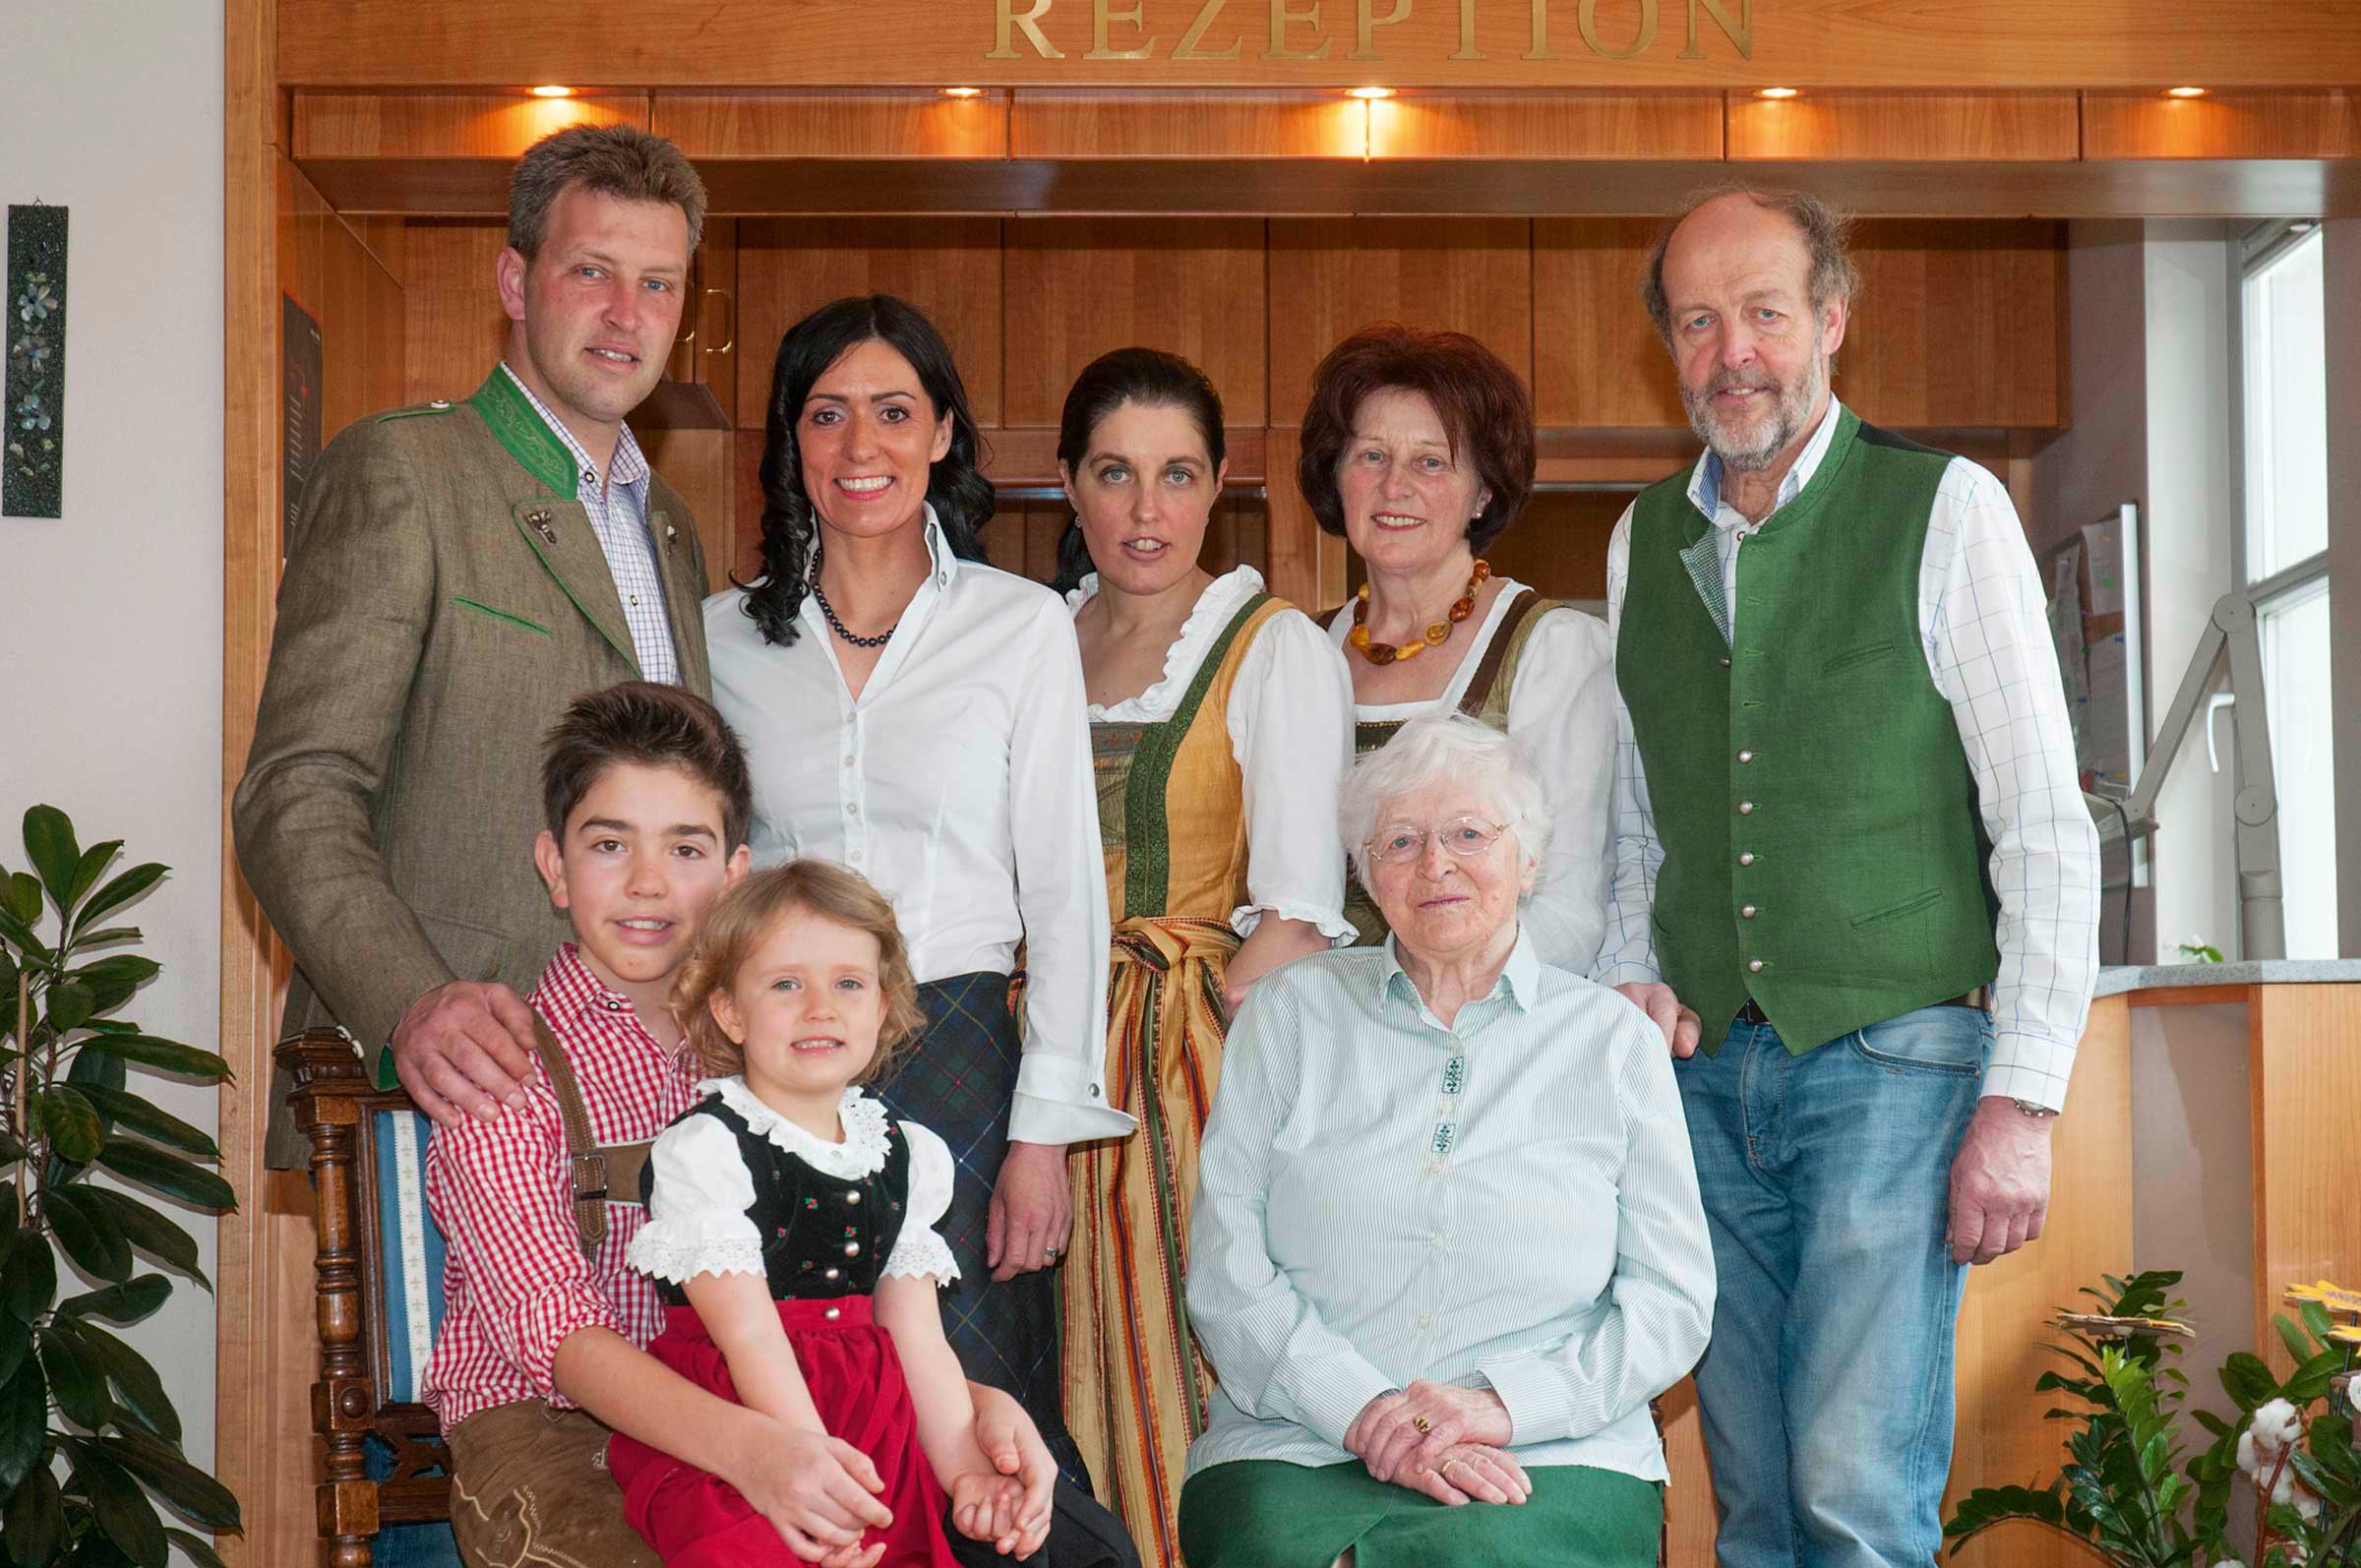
(821, 1236)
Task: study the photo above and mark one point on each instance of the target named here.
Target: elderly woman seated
(1447, 1241)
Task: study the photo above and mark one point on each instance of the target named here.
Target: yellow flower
(2335, 1298)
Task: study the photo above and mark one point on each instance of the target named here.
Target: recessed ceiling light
(2183, 93)
(1369, 92)
(962, 93)
(553, 93)
(1778, 92)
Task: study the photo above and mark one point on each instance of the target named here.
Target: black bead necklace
(828, 611)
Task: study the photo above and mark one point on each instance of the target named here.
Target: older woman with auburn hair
(1448, 1243)
(1418, 451)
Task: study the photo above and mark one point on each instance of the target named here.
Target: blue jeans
(1827, 1391)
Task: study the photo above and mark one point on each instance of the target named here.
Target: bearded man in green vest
(1851, 839)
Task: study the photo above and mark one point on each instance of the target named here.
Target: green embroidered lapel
(524, 434)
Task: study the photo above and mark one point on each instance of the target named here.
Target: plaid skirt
(960, 1084)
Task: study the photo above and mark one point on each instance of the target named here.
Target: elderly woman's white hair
(1431, 751)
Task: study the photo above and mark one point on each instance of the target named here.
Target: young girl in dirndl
(791, 1231)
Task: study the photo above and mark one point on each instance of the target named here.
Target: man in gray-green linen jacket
(1851, 839)
(460, 571)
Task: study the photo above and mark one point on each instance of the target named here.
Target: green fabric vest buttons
(1826, 752)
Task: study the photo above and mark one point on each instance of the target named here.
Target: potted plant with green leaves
(89, 1443)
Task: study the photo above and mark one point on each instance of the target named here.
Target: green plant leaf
(71, 1005)
(135, 1113)
(122, 890)
(142, 1392)
(20, 897)
(11, 1151)
(124, 1303)
(109, 934)
(16, 1338)
(2315, 1318)
(179, 1483)
(122, 1510)
(2312, 1377)
(2248, 1381)
(170, 1054)
(89, 867)
(95, 1069)
(29, 1280)
(95, 1550)
(23, 1422)
(95, 1246)
(168, 1174)
(113, 980)
(71, 1122)
(49, 845)
(198, 1549)
(2298, 1343)
(37, 1519)
(76, 1380)
(18, 928)
(152, 1233)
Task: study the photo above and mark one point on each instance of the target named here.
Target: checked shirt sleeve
(499, 1193)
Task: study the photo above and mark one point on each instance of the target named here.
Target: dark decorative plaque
(33, 438)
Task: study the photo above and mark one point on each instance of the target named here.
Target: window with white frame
(2283, 397)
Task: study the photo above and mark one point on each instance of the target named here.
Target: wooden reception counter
(2210, 1130)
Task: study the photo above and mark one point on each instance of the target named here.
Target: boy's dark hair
(656, 726)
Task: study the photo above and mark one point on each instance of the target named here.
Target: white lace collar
(861, 1153)
(1206, 621)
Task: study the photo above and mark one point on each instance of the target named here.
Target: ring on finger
(1445, 1472)
(1422, 1425)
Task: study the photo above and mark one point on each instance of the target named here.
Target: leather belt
(1979, 999)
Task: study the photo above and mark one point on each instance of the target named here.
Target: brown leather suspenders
(598, 1169)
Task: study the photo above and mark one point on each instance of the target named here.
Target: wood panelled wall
(1957, 331)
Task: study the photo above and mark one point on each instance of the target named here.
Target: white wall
(2342, 294)
(2191, 505)
(110, 619)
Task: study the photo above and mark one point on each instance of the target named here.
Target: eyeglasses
(1462, 835)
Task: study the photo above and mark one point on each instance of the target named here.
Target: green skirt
(1259, 1513)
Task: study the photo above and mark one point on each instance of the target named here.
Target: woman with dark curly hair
(916, 715)
(1418, 451)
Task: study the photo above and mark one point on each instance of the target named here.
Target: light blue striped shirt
(1508, 1200)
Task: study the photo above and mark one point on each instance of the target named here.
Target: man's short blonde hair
(618, 160)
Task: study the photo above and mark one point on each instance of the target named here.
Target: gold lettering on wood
(1467, 49)
(1281, 15)
(1010, 18)
(1586, 16)
(1188, 49)
(1739, 33)
(1101, 13)
(1540, 31)
(1369, 22)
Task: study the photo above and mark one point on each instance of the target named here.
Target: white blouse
(698, 1200)
(1290, 730)
(957, 783)
(1563, 711)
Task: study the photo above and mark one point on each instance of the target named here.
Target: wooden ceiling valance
(1625, 45)
(1955, 154)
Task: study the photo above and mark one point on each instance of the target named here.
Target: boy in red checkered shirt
(542, 1351)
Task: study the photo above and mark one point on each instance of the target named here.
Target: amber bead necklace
(1436, 635)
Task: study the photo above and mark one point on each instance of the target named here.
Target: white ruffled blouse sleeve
(1291, 729)
(1563, 711)
(921, 1249)
(696, 1206)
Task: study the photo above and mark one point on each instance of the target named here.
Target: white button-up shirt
(616, 503)
(1984, 631)
(1507, 1201)
(959, 782)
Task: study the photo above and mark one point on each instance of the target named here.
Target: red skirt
(696, 1520)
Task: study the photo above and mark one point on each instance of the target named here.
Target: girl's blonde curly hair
(741, 918)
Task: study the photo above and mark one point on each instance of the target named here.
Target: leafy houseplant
(2124, 1493)
(69, 1389)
